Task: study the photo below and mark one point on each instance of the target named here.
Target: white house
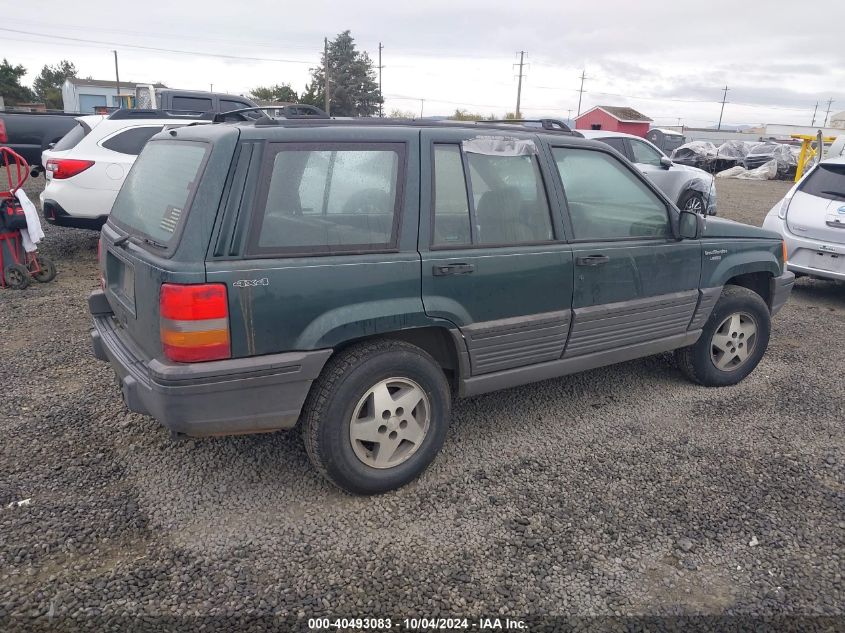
(83, 95)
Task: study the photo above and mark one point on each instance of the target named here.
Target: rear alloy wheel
(377, 416)
(732, 342)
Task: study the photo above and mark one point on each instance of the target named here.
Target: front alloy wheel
(695, 204)
(733, 341)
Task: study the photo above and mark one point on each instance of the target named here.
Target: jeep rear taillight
(4, 138)
(61, 168)
(194, 322)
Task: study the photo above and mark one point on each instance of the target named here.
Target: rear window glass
(132, 141)
(330, 200)
(72, 138)
(197, 104)
(158, 189)
(826, 181)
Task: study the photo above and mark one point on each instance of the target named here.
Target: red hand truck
(17, 267)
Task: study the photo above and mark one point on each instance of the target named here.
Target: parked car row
(354, 275)
(750, 155)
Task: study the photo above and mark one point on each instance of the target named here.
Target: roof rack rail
(132, 113)
(548, 124)
(220, 117)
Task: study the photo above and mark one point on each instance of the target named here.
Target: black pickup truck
(30, 133)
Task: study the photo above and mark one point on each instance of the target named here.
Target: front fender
(723, 260)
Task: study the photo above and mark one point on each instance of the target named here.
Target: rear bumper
(242, 395)
(55, 214)
(780, 289)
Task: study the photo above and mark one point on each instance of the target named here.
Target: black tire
(697, 361)
(47, 272)
(335, 395)
(693, 201)
(17, 276)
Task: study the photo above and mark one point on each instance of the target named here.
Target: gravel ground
(623, 491)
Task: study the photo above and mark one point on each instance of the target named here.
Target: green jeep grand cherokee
(355, 275)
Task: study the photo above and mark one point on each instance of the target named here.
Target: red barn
(613, 119)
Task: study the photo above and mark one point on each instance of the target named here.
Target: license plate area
(831, 262)
(120, 280)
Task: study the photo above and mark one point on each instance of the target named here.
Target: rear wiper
(121, 240)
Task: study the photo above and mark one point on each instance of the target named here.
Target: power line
(155, 48)
(519, 85)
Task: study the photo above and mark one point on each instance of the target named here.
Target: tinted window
(605, 200)
(644, 153)
(131, 141)
(158, 189)
(226, 105)
(616, 143)
(327, 200)
(72, 138)
(510, 202)
(826, 181)
(198, 104)
(451, 209)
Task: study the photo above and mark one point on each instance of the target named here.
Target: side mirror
(689, 225)
(665, 163)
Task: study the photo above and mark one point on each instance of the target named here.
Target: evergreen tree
(279, 92)
(353, 86)
(10, 84)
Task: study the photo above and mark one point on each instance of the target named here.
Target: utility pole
(581, 91)
(328, 81)
(827, 114)
(380, 66)
(117, 79)
(724, 99)
(519, 85)
(816, 109)
(422, 105)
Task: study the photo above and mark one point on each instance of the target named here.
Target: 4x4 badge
(246, 283)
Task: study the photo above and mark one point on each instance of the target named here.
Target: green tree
(10, 84)
(353, 88)
(48, 83)
(278, 92)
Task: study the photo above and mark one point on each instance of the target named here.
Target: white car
(692, 189)
(86, 168)
(811, 219)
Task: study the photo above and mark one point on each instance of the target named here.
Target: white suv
(86, 168)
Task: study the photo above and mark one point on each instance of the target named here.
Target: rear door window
(330, 198)
(616, 143)
(826, 181)
(72, 138)
(131, 141)
(158, 190)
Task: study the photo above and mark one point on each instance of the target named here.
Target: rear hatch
(817, 209)
(160, 225)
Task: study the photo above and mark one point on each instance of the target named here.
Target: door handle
(452, 269)
(592, 260)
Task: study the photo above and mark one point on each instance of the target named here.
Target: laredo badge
(249, 283)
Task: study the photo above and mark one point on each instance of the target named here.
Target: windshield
(158, 189)
(826, 181)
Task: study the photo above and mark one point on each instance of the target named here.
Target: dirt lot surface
(620, 491)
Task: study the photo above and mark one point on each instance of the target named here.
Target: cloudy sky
(668, 59)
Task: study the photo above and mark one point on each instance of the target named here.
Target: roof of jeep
(362, 130)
